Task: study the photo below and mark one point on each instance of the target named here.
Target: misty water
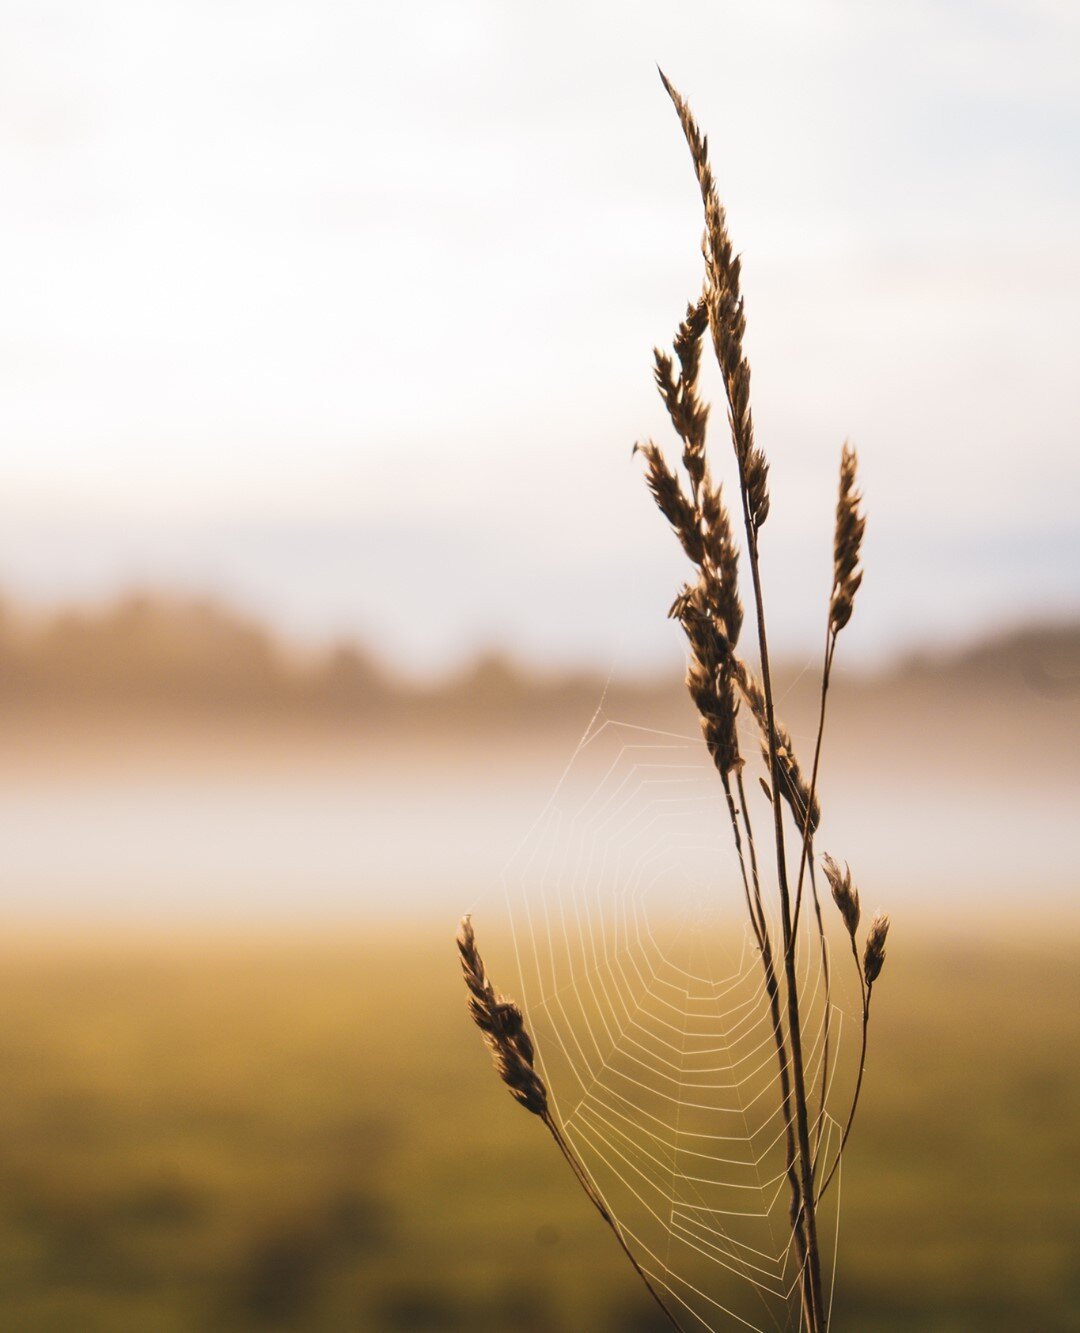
(433, 838)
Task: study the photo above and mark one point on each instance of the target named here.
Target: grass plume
(710, 613)
(710, 610)
(503, 1028)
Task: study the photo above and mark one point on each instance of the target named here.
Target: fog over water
(935, 808)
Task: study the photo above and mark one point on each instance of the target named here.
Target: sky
(343, 312)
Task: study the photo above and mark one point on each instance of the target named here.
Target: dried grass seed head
(845, 894)
(688, 340)
(672, 502)
(709, 675)
(503, 1026)
(727, 315)
(722, 587)
(688, 414)
(874, 955)
(847, 543)
(792, 783)
(756, 481)
(794, 788)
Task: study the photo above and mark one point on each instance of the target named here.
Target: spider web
(644, 991)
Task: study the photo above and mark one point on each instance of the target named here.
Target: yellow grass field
(302, 1132)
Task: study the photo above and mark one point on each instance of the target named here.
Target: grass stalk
(710, 612)
(727, 322)
(512, 1052)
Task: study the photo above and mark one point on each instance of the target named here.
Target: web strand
(643, 988)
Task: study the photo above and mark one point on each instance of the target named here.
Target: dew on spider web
(644, 990)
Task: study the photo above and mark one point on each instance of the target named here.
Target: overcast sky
(343, 311)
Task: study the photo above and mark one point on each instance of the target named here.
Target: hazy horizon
(316, 586)
(200, 774)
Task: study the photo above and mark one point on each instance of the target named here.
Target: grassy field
(303, 1133)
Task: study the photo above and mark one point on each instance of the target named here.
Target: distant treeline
(153, 651)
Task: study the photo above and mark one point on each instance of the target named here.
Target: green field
(304, 1133)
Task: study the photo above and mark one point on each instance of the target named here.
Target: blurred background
(325, 336)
